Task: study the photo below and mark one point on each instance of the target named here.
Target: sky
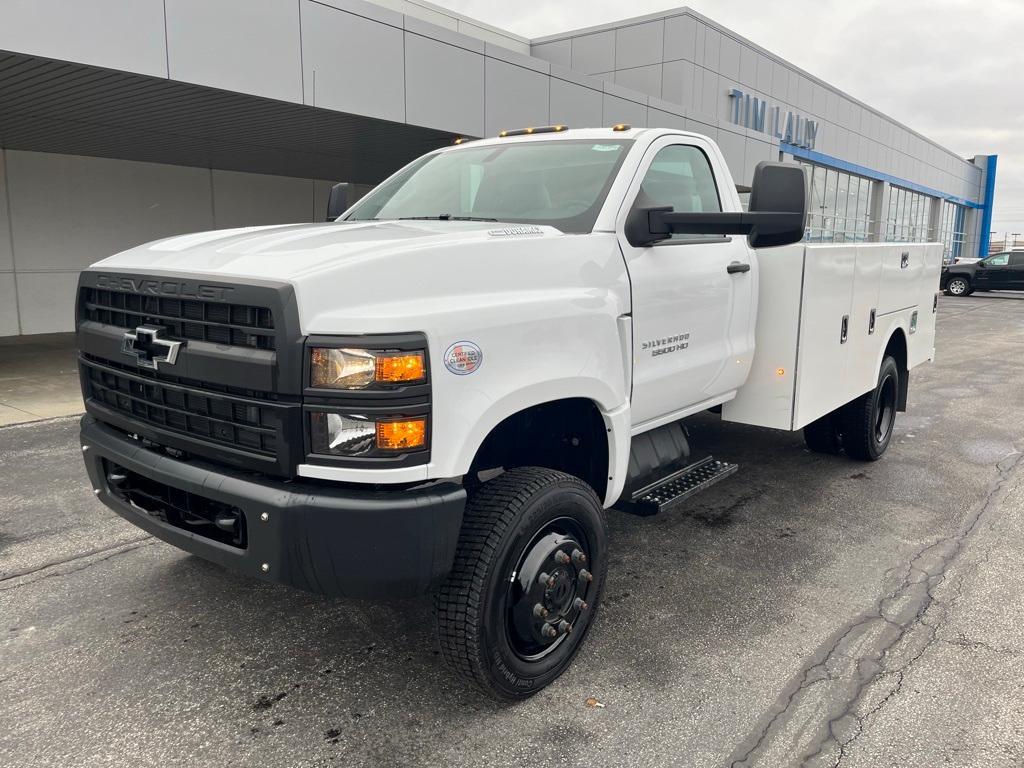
(952, 70)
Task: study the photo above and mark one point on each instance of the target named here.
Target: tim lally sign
(752, 112)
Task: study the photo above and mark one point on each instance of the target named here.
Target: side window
(680, 176)
(1017, 259)
(999, 260)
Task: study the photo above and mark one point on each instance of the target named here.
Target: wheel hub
(548, 592)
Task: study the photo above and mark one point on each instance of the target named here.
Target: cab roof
(587, 134)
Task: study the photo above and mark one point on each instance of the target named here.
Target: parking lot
(809, 610)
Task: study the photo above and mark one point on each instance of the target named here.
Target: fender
(614, 412)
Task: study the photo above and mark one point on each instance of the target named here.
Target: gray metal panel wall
(701, 62)
(117, 34)
(337, 51)
(228, 45)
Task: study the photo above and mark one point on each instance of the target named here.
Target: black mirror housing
(339, 201)
(777, 215)
(778, 188)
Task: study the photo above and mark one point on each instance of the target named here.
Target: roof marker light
(530, 131)
(621, 127)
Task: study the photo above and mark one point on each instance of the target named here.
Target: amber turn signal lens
(393, 369)
(401, 435)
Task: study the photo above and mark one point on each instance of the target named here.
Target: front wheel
(526, 583)
(958, 286)
(868, 421)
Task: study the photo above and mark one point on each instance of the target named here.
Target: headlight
(351, 435)
(360, 368)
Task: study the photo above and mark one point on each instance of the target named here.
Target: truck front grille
(233, 394)
(237, 325)
(216, 417)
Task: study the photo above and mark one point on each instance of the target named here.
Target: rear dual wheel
(862, 428)
(526, 583)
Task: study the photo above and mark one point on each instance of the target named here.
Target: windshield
(560, 183)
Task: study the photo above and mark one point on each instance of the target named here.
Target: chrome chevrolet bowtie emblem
(146, 346)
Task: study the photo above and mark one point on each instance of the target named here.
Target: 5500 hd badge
(180, 289)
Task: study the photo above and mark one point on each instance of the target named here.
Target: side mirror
(339, 201)
(779, 195)
(777, 215)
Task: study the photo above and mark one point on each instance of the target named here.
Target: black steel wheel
(868, 421)
(526, 582)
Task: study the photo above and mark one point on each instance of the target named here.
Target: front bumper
(332, 540)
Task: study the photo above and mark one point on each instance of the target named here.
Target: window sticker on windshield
(606, 147)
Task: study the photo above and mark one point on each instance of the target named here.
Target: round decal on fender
(463, 358)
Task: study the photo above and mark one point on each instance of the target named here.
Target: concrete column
(879, 208)
(934, 218)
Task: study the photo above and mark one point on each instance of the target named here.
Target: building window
(840, 206)
(908, 219)
(950, 230)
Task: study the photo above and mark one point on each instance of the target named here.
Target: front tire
(868, 421)
(526, 582)
(958, 286)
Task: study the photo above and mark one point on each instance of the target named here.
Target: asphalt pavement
(807, 611)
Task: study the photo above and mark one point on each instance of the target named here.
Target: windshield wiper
(443, 217)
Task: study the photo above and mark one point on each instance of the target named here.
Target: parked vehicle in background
(999, 272)
(965, 260)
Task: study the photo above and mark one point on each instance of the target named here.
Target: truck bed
(804, 364)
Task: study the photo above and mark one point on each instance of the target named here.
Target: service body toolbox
(826, 314)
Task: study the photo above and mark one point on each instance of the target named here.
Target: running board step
(680, 485)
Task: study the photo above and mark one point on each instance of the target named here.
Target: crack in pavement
(25, 577)
(815, 720)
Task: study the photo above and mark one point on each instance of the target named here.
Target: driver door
(1017, 270)
(994, 272)
(693, 296)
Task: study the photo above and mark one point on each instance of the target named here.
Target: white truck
(443, 387)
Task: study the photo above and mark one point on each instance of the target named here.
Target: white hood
(367, 277)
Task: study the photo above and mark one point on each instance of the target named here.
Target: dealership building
(123, 121)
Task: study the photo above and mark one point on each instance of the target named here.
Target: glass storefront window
(839, 208)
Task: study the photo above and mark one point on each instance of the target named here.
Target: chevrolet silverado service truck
(441, 388)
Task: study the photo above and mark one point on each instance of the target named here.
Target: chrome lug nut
(562, 558)
(540, 611)
(586, 575)
(564, 627)
(580, 604)
(546, 581)
(549, 631)
(578, 557)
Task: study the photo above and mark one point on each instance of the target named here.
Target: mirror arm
(669, 222)
(741, 223)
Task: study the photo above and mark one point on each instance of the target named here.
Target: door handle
(736, 267)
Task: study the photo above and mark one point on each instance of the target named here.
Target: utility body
(443, 389)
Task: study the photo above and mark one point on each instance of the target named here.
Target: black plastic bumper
(332, 540)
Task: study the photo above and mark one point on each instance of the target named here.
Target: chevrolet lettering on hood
(181, 289)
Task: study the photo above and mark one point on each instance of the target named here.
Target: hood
(369, 277)
(293, 252)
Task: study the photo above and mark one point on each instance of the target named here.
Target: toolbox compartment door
(823, 346)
